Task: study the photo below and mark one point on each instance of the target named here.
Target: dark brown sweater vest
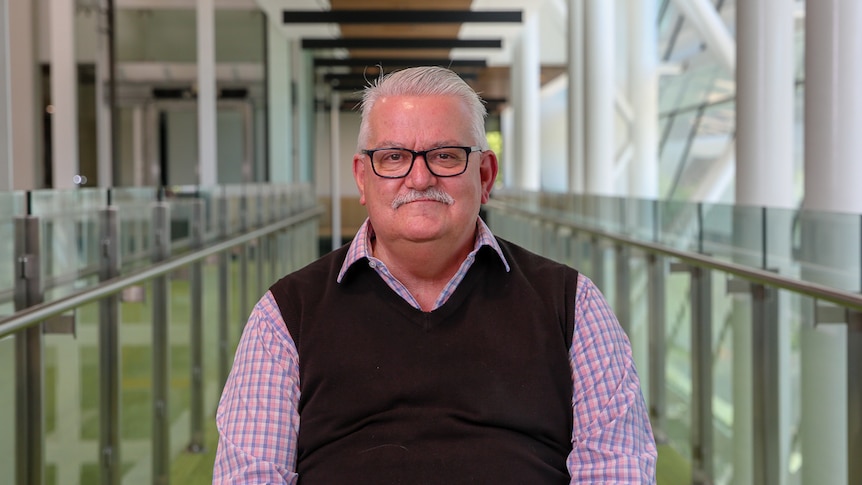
(477, 391)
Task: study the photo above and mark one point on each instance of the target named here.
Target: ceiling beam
(400, 43)
(400, 16)
(361, 78)
(388, 62)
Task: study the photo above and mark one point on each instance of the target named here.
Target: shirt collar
(360, 247)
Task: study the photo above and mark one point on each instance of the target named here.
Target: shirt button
(372, 264)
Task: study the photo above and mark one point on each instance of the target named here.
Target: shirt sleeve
(257, 416)
(612, 440)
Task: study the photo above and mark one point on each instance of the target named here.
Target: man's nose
(419, 176)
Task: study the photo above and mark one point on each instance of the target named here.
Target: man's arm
(257, 416)
(612, 440)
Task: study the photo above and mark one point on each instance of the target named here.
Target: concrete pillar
(280, 109)
(26, 93)
(643, 93)
(575, 71)
(833, 122)
(764, 177)
(104, 114)
(6, 161)
(64, 94)
(207, 154)
(529, 151)
(599, 92)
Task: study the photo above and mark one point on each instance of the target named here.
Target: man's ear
(359, 175)
(488, 173)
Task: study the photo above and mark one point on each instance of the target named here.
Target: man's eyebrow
(394, 144)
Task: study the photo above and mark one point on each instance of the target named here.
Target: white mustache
(431, 193)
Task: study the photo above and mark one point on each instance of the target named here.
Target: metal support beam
(109, 353)
(29, 405)
(161, 439)
(703, 15)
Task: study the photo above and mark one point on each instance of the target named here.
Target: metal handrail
(814, 290)
(37, 313)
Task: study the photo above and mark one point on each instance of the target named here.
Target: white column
(207, 122)
(530, 103)
(6, 161)
(833, 123)
(643, 93)
(139, 167)
(64, 93)
(600, 93)
(514, 142)
(104, 115)
(305, 114)
(575, 99)
(280, 109)
(507, 161)
(25, 82)
(764, 177)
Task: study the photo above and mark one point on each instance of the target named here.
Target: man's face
(422, 123)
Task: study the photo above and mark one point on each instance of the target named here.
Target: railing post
(109, 352)
(701, 375)
(223, 294)
(622, 291)
(161, 441)
(196, 295)
(597, 260)
(854, 395)
(765, 385)
(261, 245)
(29, 365)
(242, 315)
(657, 346)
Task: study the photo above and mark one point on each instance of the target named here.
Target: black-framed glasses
(396, 163)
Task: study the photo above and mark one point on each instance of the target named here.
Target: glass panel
(678, 367)
(69, 224)
(830, 249)
(72, 400)
(722, 378)
(135, 213)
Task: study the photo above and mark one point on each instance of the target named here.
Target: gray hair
(424, 81)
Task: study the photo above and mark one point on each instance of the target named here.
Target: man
(428, 351)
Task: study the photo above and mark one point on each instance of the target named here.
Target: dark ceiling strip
(388, 62)
(361, 79)
(401, 43)
(400, 16)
